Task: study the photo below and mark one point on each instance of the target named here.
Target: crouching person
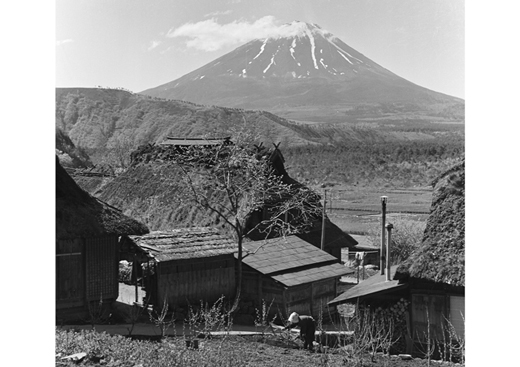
(307, 328)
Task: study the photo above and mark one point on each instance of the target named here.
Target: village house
(291, 275)
(87, 250)
(432, 279)
(185, 266)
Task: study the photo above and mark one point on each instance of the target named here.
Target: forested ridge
(388, 164)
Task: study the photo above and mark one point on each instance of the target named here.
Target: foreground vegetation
(262, 351)
(375, 336)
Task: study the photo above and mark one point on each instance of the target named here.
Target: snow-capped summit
(300, 65)
(299, 29)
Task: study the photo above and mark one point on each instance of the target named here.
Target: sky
(140, 44)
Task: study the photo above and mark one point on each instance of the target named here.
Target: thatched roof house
(151, 191)
(440, 258)
(87, 258)
(432, 279)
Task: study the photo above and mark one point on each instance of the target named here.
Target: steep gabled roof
(185, 243)
(440, 258)
(291, 260)
(80, 215)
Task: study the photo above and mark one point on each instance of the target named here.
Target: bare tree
(237, 182)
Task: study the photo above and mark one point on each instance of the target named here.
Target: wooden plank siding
(70, 276)
(191, 280)
(86, 271)
(101, 267)
(306, 299)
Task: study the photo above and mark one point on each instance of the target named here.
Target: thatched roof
(440, 258)
(80, 215)
(184, 243)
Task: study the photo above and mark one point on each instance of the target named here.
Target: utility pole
(323, 220)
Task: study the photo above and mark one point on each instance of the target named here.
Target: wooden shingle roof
(311, 275)
(186, 243)
(291, 260)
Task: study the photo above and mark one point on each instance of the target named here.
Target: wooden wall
(86, 270)
(101, 267)
(306, 299)
(189, 281)
(70, 276)
(312, 298)
(432, 304)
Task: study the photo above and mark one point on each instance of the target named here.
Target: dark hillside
(106, 121)
(109, 123)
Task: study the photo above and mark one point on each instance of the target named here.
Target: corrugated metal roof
(282, 254)
(187, 243)
(375, 284)
(311, 275)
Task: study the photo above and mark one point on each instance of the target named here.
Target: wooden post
(382, 261)
(389, 227)
(135, 273)
(323, 220)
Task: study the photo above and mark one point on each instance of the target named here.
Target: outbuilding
(186, 265)
(291, 275)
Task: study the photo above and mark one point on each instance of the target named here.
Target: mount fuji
(306, 73)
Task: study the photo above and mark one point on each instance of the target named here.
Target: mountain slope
(101, 120)
(304, 73)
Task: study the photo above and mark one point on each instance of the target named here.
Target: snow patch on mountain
(346, 58)
(262, 48)
(313, 47)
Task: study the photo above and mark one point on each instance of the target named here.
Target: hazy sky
(140, 44)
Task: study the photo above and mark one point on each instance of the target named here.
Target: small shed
(369, 253)
(432, 279)
(87, 247)
(292, 274)
(188, 265)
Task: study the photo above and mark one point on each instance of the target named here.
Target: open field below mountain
(358, 210)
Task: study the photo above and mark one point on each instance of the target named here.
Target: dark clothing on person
(307, 330)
